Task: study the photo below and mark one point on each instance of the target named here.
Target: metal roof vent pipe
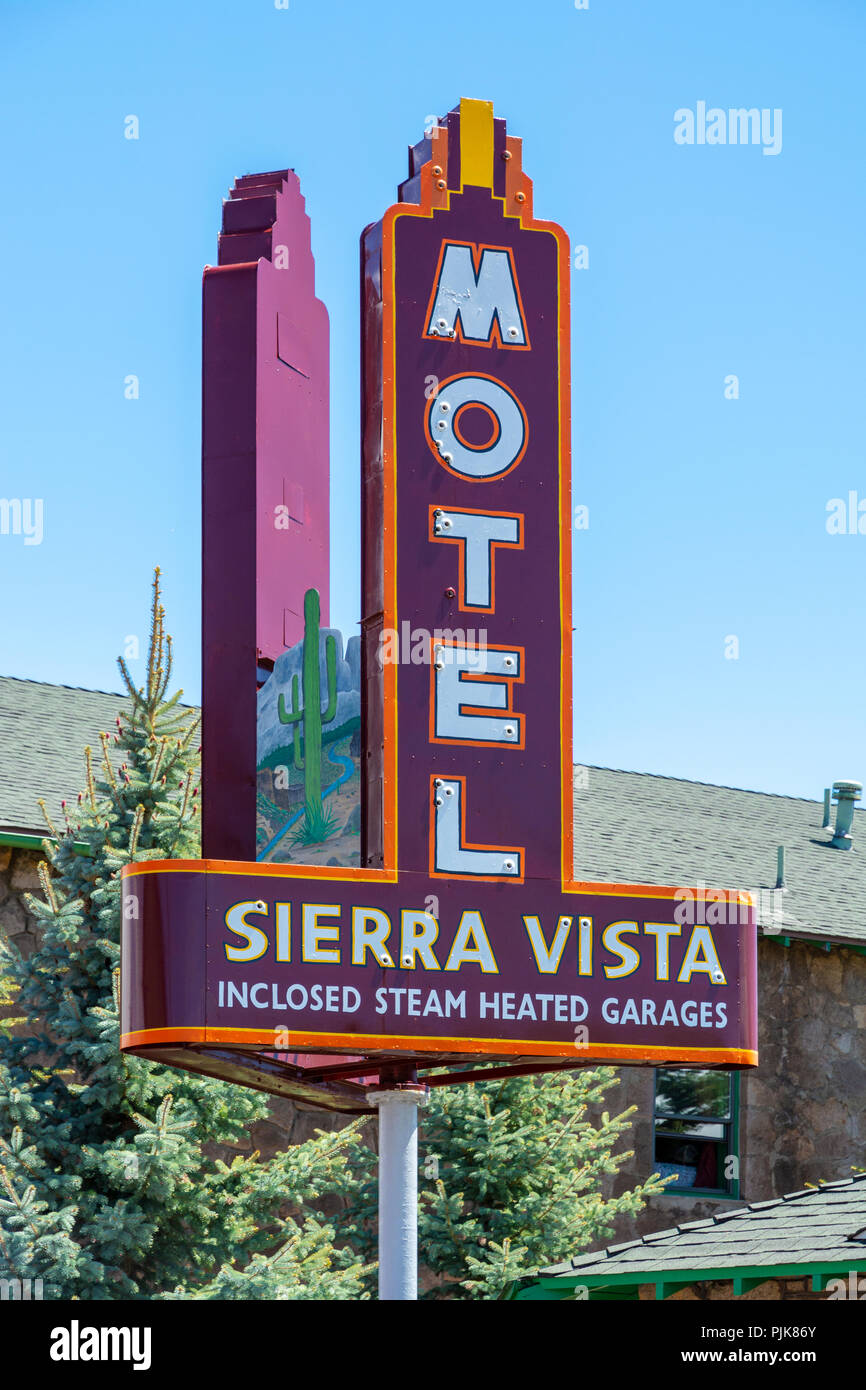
(827, 821)
(846, 793)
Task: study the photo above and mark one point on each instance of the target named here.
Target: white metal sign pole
(398, 1187)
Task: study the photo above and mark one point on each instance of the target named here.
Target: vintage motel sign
(466, 933)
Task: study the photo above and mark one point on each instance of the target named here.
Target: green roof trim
(35, 842)
(21, 841)
(813, 1233)
(747, 1277)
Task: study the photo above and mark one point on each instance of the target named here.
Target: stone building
(800, 1116)
(44, 730)
(798, 1119)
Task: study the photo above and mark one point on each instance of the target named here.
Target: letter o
(289, 1000)
(505, 449)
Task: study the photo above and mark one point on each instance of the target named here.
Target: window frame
(731, 1191)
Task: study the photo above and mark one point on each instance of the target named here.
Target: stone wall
(802, 1110)
(18, 875)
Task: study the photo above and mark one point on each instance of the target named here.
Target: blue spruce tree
(109, 1187)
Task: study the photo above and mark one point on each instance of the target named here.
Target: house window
(696, 1131)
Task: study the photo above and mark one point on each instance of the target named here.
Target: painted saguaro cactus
(311, 713)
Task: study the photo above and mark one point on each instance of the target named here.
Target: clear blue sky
(707, 515)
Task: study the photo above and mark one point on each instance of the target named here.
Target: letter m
(744, 125)
(476, 297)
(10, 516)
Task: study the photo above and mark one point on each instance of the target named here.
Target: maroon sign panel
(265, 496)
(466, 933)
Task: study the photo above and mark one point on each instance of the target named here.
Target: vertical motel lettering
(475, 300)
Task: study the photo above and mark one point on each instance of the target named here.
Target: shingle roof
(811, 1227)
(44, 730)
(636, 827)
